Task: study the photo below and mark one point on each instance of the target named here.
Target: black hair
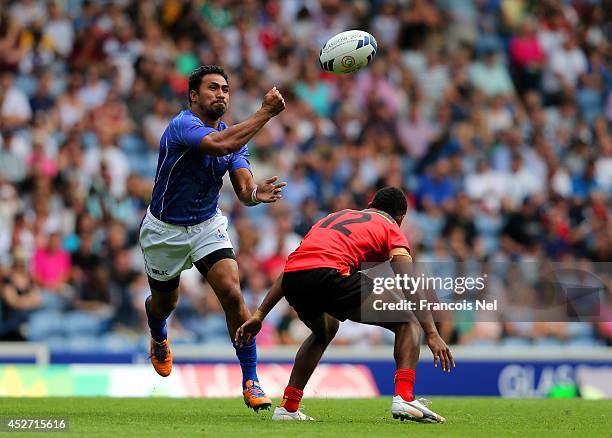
(195, 78)
(391, 200)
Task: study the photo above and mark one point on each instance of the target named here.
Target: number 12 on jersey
(341, 226)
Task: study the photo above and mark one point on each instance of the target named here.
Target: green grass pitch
(466, 417)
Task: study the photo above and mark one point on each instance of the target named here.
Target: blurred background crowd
(494, 116)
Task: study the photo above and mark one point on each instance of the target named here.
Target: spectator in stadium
(58, 28)
(435, 186)
(303, 187)
(280, 241)
(415, 132)
(565, 66)
(316, 93)
(70, 106)
(15, 110)
(523, 228)
(491, 75)
(12, 166)
(51, 264)
(418, 21)
(19, 296)
(527, 57)
(44, 99)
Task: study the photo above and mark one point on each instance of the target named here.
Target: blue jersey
(187, 181)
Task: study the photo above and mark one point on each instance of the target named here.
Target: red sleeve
(396, 239)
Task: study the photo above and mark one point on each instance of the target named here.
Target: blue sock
(158, 328)
(247, 355)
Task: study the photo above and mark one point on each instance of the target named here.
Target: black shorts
(312, 292)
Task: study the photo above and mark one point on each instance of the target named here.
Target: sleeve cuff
(399, 251)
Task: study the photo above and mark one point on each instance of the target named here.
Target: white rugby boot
(415, 410)
(282, 414)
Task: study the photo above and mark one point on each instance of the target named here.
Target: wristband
(254, 199)
(258, 315)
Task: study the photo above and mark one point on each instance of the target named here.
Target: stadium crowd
(494, 116)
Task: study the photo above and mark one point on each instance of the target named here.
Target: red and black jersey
(347, 238)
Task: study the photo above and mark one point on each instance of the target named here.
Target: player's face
(213, 96)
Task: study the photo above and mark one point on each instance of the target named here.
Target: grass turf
(466, 417)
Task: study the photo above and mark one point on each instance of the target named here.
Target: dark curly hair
(195, 78)
(391, 200)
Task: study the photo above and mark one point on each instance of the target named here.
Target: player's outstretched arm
(233, 138)
(402, 265)
(252, 326)
(250, 193)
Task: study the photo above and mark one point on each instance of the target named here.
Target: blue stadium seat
(53, 301)
(132, 144)
(547, 342)
(488, 231)
(82, 323)
(83, 344)
(210, 329)
(56, 343)
(146, 164)
(117, 342)
(512, 341)
(44, 324)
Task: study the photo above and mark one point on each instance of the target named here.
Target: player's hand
(273, 102)
(270, 190)
(441, 352)
(248, 330)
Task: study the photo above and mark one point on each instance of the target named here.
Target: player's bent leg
(165, 249)
(221, 271)
(406, 353)
(158, 306)
(324, 328)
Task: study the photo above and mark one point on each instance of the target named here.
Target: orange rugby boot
(161, 357)
(254, 397)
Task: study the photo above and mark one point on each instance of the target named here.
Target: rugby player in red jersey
(321, 281)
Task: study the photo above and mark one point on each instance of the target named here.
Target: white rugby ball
(348, 52)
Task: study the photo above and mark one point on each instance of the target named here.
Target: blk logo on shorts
(158, 272)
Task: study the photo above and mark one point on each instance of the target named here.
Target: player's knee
(328, 332)
(164, 296)
(171, 303)
(332, 329)
(230, 297)
(409, 329)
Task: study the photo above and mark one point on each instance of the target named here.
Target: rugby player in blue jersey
(183, 225)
